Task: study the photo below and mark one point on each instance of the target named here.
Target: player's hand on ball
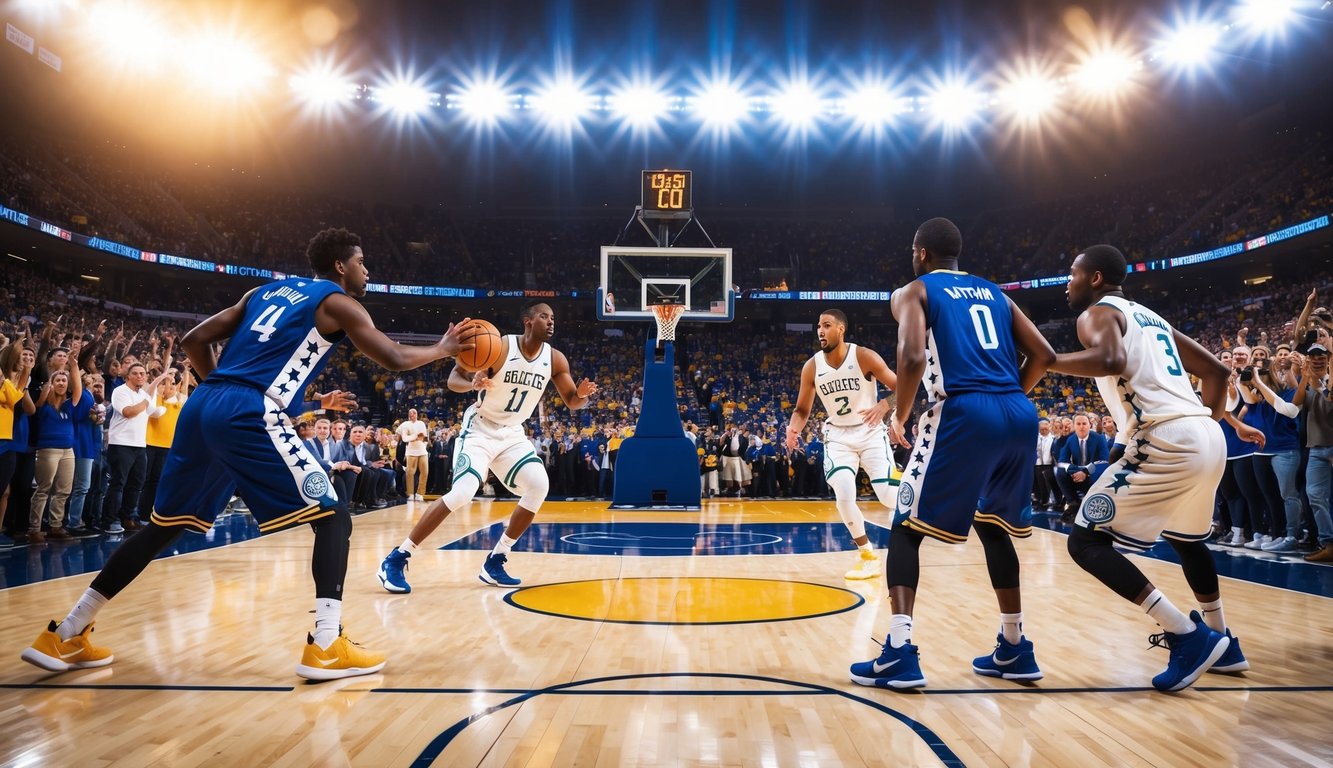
(481, 381)
(875, 414)
(338, 400)
(586, 388)
(450, 342)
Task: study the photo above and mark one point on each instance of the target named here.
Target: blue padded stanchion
(658, 466)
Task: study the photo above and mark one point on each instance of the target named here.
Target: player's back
(969, 336)
(277, 348)
(1154, 384)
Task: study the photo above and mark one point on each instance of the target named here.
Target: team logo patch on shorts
(906, 495)
(316, 485)
(463, 464)
(1099, 508)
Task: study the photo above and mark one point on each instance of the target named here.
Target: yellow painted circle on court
(685, 600)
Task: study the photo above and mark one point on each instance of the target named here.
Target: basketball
(486, 353)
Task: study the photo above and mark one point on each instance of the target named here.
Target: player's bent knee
(534, 483)
(1083, 543)
(461, 494)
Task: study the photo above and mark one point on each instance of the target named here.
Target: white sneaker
(1284, 544)
(1259, 541)
(867, 566)
(1233, 539)
(418, 497)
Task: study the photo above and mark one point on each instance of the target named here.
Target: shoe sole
(39, 659)
(897, 685)
(1213, 656)
(321, 673)
(485, 579)
(392, 587)
(1240, 666)
(1007, 675)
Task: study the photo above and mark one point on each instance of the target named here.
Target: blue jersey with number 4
(278, 349)
(969, 337)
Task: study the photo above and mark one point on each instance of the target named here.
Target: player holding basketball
(844, 374)
(1171, 457)
(492, 439)
(236, 432)
(971, 467)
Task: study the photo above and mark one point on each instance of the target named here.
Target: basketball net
(667, 316)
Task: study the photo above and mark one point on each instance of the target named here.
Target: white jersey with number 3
(844, 390)
(517, 386)
(1154, 386)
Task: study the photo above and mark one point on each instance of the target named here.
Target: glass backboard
(631, 278)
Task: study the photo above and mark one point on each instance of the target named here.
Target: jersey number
(513, 407)
(846, 407)
(984, 325)
(1174, 368)
(267, 322)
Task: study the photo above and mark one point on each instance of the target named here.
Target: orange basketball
(486, 354)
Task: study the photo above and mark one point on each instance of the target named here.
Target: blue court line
(150, 687)
(437, 745)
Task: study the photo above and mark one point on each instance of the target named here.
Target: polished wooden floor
(206, 643)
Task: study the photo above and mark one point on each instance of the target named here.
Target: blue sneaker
(1011, 661)
(1191, 654)
(1233, 660)
(393, 572)
(898, 668)
(493, 572)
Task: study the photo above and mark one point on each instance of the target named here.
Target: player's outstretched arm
(575, 397)
(198, 341)
(1037, 351)
(805, 400)
(1100, 329)
(909, 309)
(341, 312)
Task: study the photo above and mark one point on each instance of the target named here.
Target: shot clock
(667, 192)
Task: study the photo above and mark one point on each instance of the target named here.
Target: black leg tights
(328, 564)
(1093, 552)
(1001, 558)
(904, 566)
(130, 558)
(1197, 563)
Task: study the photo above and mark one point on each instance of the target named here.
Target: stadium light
(483, 102)
(321, 86)
(130, 35)
(1190, 45)
(404, 98)
(224, 64)
(797, 105)
(720, 104)
(1106, 72)
(953, 104)
(639, 105)
(1028, 97)
(1265, 16)
(563, 102)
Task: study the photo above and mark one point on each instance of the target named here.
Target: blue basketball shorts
(230, 437)
(971, 463)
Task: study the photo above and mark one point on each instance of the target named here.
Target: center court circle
(685, 600)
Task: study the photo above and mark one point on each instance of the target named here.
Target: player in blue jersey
(236, 433)
(971, 467)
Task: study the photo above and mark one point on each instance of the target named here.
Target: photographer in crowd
(1275, 464)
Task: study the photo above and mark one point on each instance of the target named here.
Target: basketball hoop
(667, 316)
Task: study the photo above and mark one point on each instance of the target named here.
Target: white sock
(1011, 626)
(505, 544)
(1212, 615)
(866, 547)
(900, 630)
(1166, 614)
(82, 614)
(408, 546)
(328, 621)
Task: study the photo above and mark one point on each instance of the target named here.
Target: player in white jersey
(1168, 459)
(492, 439)
(844, 376)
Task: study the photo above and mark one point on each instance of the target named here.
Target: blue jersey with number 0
(278, 349)
(969, 337)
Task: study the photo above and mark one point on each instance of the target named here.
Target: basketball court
(720, 637)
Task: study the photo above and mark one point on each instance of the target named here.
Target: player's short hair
(530, 309)
(330, 247)
(1108, 260)
(940, 238)
(836, 314)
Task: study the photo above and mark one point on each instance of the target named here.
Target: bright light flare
(405, 98)
(721, 104)
(1265, 16)
(639, 105)
(563, 103)
(1107, 72)
(797, 105)
(872, 106)
(1028, 97)
(1190, 45)
(224, 64)
(130, 35)
(484, 102)
(954, 104)
(321, 86)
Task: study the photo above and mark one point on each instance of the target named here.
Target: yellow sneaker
(867, 566)
(51, 653)
(343, 658)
